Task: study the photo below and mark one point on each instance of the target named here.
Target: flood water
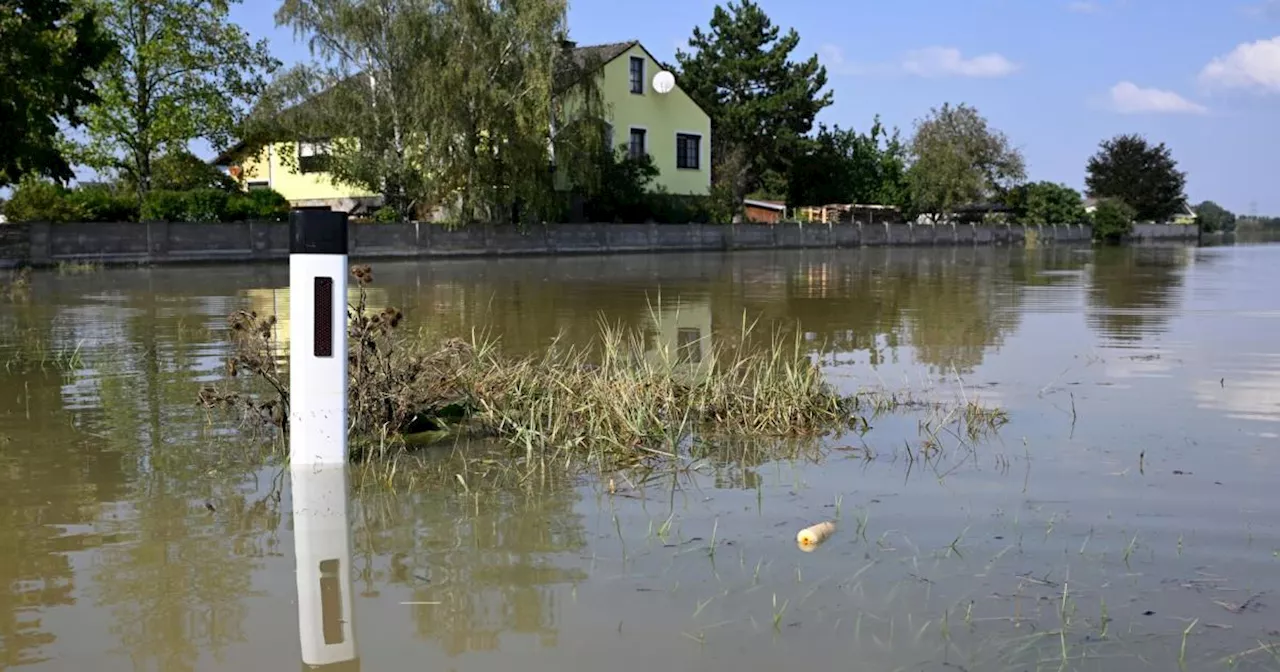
(1125, 518)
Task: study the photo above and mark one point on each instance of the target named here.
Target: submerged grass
(30, 349)
(78, 267)
(18, 287)
(617, 396)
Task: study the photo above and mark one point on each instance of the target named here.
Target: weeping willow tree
(454, 104)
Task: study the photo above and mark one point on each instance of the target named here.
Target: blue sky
(1057, 76)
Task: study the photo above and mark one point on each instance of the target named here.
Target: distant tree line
(1255, 222)
(139, 80)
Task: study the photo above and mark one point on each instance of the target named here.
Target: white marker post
(317, 337)
(322, 546)
(318, 438)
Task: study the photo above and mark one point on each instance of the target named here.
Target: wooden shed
(764, 212)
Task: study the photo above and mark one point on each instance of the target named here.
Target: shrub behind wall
(43, 201)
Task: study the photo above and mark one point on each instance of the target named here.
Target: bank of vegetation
(138, 99)
(615, 400)
(183, 189)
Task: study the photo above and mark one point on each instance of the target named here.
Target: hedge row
(48, 202)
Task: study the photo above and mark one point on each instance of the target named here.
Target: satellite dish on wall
(664, 82)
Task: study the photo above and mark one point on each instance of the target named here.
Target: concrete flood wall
(42, 244)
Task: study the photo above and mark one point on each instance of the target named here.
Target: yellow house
(645, 108)
(1187, 217)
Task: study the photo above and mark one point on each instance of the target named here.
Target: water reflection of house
(276, 302)
(683, 332)
(814, 281)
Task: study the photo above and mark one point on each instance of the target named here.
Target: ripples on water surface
(1130, 497)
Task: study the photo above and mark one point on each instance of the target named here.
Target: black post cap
(317, 231)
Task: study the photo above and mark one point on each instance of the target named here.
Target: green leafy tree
(1257, 222)
(761, 103)
(1143, 175)
(183, 71)
(958, 159)
(1046, 203)
(844, 166)
(624, 188)
(257, 204)
(1214, 217)
(103, 203)
(440, 104)
(38, 199)
(48, 51)
(1112, 221)
(180, 170)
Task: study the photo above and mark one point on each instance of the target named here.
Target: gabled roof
(765, 205)
(586, 60)
(596, 55)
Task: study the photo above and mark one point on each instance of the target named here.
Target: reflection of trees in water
(490, 560)
(177, 589)
(116, 445)
(53, 478)
(956, 311)
(527, 316)
(1045, 266)
(1134, 290)
(949, 304)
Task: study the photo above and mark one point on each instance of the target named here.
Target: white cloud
(832, 56)
(949, 62)
(1084, 7)
(1253, 65)
(929, 62)
(1267, 9)
(1129, 98)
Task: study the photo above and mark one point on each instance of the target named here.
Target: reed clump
(616, 395)
(78, 267)
(18, 288)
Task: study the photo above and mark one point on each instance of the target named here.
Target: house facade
(668, 126)
(645, 108)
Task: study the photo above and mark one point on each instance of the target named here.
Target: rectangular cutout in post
(324, 317)
(331, 601)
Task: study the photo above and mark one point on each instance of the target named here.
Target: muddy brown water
(1125, 519)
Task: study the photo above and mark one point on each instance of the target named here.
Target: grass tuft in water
(18, 288)
(78, 267)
